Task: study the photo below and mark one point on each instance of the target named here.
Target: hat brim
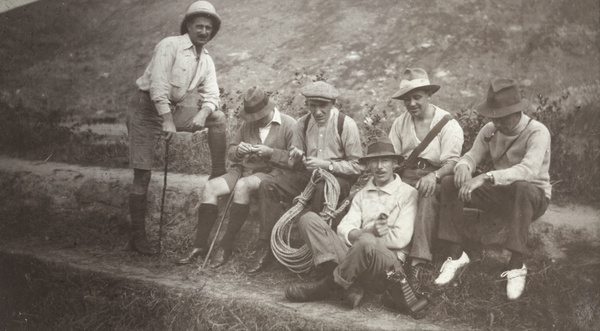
(485, 110)
(365, 159)
(401, 92)
(247, 117)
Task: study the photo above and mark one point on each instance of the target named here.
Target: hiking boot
(449, 269)
(515, 282)
(353, 295)
(192, 255)
(221, 257)
(313, 291)
(264, 259)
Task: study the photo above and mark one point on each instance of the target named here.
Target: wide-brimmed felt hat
(383, 147)
(204, 8)
(257, 104)
(414, 79)
(503, 98)
(320, 90)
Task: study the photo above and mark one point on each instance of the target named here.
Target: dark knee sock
(218, 147)
(207, 214)
(237, 216)
(516, 261)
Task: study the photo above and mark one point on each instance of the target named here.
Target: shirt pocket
(180, 70)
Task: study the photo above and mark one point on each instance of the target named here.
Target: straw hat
(413, 79)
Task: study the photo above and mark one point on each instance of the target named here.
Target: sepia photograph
(299, 165)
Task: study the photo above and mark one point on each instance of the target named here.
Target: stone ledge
(93, 189)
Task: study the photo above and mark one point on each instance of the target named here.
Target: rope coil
(300, 260)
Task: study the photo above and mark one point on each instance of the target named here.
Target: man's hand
(295, 154)
(263, 151)
(381, 225)
(168, 126)
(464, 194)
(243, 149)
(200, 119)
(462, 175)
(426, 185)
(311, 163)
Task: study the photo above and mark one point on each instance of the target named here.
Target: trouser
(367, 261)
(518, 204)
(426, 223)
(285, 188)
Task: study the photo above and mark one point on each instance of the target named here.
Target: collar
(520, 125)
(390, 188)
(187, 43)
(276, 116)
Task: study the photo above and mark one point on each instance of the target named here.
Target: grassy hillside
(83, 56)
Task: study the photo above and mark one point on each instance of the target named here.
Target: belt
(421, 164)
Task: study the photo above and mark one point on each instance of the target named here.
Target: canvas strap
(412, 158)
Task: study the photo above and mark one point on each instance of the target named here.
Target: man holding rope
(372, 239)
(178, 92)
(260, 151)
(323, 139)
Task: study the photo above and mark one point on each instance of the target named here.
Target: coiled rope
(300, 260)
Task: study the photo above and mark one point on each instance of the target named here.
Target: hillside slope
(83, 56)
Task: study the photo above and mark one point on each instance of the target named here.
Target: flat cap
(320, 91)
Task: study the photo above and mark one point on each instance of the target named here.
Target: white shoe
(449, 268)
(515, 282)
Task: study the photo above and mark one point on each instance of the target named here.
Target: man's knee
(309, 221)
(365, 241)
(216, 120)
(212, 186)
(243, 189)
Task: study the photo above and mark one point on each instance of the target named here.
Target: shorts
(233, 173)
(144, 126)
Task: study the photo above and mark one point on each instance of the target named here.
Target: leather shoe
(192, 255)
(265, 256)
(313, 291)
(353, 295)
(221, 257)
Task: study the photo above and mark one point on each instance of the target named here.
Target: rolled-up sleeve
(209, 88)
(160, 88)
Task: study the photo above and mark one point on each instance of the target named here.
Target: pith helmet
(203, 8)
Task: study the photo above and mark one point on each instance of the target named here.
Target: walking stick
(212, 244)
(162, 202)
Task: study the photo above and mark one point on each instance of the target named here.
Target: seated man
(431, 141)
(371, 239)
(260, 149)
(518, 189)
(325, 139)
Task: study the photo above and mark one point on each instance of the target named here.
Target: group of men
(413, 200)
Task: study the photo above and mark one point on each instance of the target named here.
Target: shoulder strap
(306, 120)
(340, 123)
(412, 158)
